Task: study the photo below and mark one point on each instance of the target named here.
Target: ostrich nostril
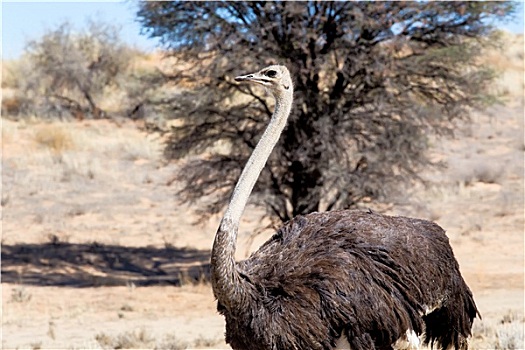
(244, 77)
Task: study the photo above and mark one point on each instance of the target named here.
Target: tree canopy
(372, 79)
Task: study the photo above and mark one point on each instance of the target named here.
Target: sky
(26, 20)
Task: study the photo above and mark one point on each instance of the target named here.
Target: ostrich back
(366, 276)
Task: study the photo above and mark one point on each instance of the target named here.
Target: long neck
(226, 282)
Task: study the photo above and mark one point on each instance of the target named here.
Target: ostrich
(351, 277)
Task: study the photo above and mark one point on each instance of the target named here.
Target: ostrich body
(380, 282)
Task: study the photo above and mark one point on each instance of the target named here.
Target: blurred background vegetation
(372, 81)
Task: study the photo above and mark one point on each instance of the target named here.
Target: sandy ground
(97, 254)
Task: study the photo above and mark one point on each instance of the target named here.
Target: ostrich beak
(254, 78)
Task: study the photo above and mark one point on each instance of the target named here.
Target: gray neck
(226, 282)
(256, 162)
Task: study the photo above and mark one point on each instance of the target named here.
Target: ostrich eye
(271, 73)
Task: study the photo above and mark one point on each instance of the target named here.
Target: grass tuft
(138, 339)
(20, 295)
(55, 137)
(505, 334)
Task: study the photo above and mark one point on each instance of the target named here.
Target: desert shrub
(70, 73)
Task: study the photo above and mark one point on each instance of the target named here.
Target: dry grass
(508, 61)
(503, 334)
(20, 294)
(483, 172)
(141, 339)
(55, 137)
(171, 342)
(137, 339)
(65, 138)
(139, 148)
(65, 150)
(11, 70)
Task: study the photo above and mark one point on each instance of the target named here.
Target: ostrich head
(276, 79)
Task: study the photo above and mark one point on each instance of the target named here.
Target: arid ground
(97, 254)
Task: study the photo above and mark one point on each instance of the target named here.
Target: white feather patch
(410, 341)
